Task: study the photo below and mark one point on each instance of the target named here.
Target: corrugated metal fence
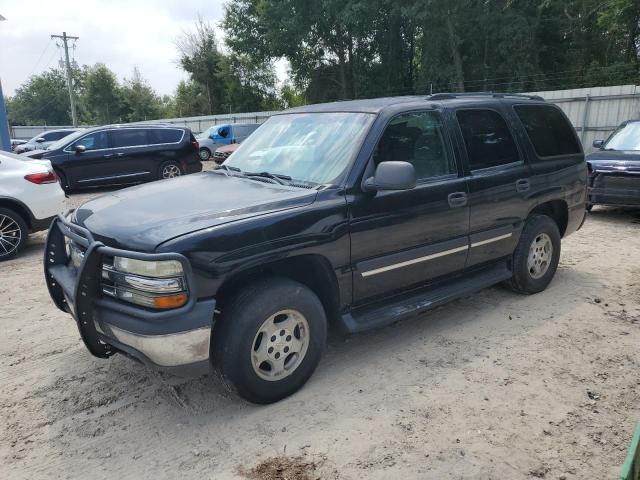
(595, 112)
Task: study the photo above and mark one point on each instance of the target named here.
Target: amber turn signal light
(170, 301)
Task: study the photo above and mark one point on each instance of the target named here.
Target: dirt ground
(494, 386)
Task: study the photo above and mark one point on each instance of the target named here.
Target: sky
(122, 34)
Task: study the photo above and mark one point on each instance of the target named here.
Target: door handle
(119, 154)
(522, 185)
(457, 199)
(108, 155)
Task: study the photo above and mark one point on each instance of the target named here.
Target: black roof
(375, 105)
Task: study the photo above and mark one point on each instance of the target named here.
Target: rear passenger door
(498, 182)
(405, 238)
(132, 159)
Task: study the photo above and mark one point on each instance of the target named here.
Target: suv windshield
(312, 147)
(626, 137)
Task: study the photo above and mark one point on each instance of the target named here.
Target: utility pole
(64, 37)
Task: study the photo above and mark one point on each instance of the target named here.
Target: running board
(415, 303)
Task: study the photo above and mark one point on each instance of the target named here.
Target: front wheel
(169, 169)
(269, 339)
(205, 154)
(536, 256)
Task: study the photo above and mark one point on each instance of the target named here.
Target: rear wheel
(170, 169)
(536, 257)
(13, 233)
(269, 339)
(64, 183)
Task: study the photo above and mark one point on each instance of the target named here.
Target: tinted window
(416, 138)
(93, 141)
(129, 137)
(52, 136)
(550, 133)
(161, 135)
(487, 138)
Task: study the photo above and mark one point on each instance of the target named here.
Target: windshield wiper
(227, 169)
(276, 177)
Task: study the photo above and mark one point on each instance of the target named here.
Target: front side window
(487, 139)
(417, 138)
(312, 147)
(93, 141)
(550, 133)
(129, 137)
(625, 138)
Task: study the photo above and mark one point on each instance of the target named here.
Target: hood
(141, 218)
(34, 154)
(614, 160)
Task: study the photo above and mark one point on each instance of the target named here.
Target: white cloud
(121, 34)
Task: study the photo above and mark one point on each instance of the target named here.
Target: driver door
(401, 239)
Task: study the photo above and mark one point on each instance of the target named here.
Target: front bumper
(176, 339)
(614, 188)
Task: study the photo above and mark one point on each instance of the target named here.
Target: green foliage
(43, 99)
(364, 48)
(139, 101)
(102, 98)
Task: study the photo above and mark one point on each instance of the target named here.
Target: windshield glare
(207, 133)
(66, 140)
(312, 147)
(625, 138)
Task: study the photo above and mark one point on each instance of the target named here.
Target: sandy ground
(495, 386)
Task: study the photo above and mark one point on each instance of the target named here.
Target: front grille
(618, 182)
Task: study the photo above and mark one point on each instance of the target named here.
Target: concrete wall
(595, 112)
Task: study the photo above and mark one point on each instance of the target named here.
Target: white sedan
(30, 196)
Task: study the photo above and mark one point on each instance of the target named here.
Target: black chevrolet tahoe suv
(122, 154)
(352, 214)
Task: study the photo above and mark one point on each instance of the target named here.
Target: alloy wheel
(280, 345)
(171, 171)
(10, 235)
(540, 255)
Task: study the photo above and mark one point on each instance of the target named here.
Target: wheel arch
(18, 207)
(557, 210)
(312, 270)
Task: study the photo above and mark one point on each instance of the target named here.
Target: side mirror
(392, 176)
(80, 149)
(598, 143)
(40, 140)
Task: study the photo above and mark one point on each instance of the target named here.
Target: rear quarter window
(160, 135)
(549, 131)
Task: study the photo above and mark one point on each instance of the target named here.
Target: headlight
(162, 269)
(151, 284)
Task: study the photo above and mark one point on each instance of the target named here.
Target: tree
(102, 98)
(139, 100)
(191, 100)
(43, 99)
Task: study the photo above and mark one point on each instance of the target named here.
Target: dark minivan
(349, 215)
(122, 154)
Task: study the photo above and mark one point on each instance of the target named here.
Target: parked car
(222, 153)
(30, 196)
(614, 170)
(219, 135)
(44, 140)
(351, 214)
(123, 154)
(15, 142)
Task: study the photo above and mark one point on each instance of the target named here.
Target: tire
(13, 233)
(241, 337)
(64, 183)
(532, 275)
(589, 207)
(169, 169)
(205, 154)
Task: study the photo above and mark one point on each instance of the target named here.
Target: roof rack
(451, 96)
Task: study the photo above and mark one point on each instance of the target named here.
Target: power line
(40, 58)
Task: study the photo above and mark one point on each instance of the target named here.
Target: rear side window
(129, 137)
(549, 131)
(162, 135)
(487, 139)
